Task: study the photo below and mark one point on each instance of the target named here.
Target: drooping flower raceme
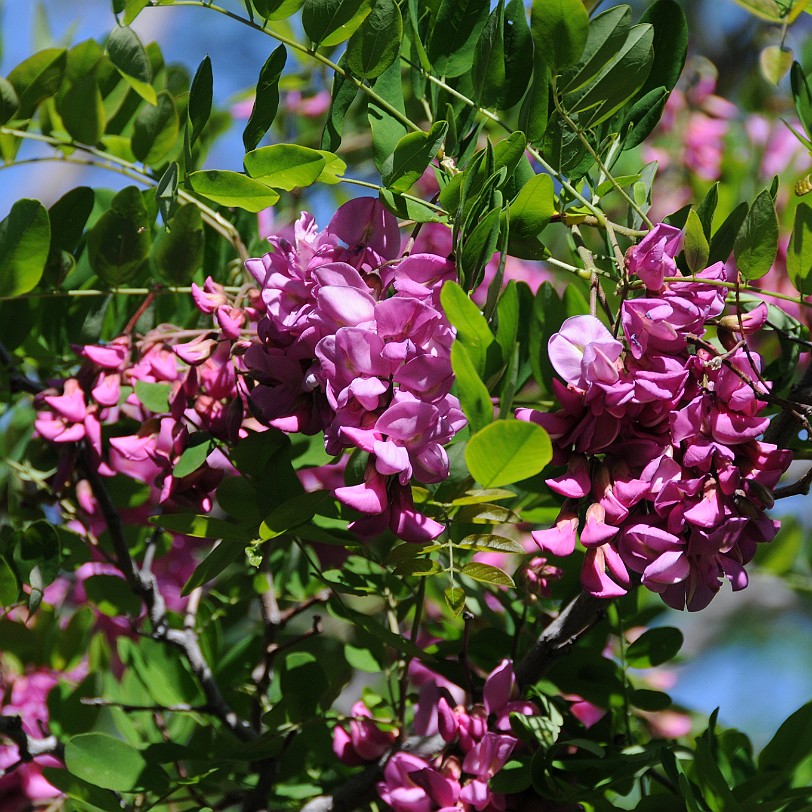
(478, 741)
(353, 343)
(665, 474)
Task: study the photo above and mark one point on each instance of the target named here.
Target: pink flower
(583, 351)
(653, 257)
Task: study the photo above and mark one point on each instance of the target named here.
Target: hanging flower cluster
(353, 343)
(659, 436)
(181, 395)
(478, 743)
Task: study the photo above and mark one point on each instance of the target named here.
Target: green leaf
(25, 235)
(343, 94)
(489, 59)
(9, 588)
(130, 59)
(376, 44)
(643, 117)
(707, 208)
(453, 38)
(533, 208)
(607, 32)
(455, 599)
(132, 8)
(518, 45)
(489, 543)
(475, 399)
(285, 166)
(9, 102)
(387, 130)
(192, 458)
(507, 451)
(119, 242)
(233, 189)
(296, 511)
(154, 396)
(221, 557)
(487, 514)
(204, 527)
(535, 109)
(619, 81)
(329, 22)
(775, 62)
(413, 153)
(654, 647)
(166, 192)
(757, 241)
(478, 496)
(112, 595)
(105, 761)
(799, 251)
(179, 251)
(277, 9)
(487, 574)
(82, 111)
(200, 98)
(670, 43)
(478, 247)
(560, 29)
(266, 101)
(155, 130)
(721, 243)
(802, 95)
(791, 745)
(408, 208)
(696, 243)
(38, 78)
(334, 168)
(648, 700)
(472, 328)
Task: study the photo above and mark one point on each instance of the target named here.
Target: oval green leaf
(329, 22)
(266, 99)
(25, 237)
(799, 251)
(487, 574)
(285, 166)
(560, 29)
(155, 130)
(757, 241)
(130, 59)
(376, 44)
(105, 761)
(37, 78)
(654, 647)
(507, 451)
(233, 189)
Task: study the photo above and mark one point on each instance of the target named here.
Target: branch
(145, 585)
(577, 618)
(11, 727)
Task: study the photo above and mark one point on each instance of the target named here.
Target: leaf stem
(107, 161)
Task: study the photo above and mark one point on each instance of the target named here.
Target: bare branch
(145, 585)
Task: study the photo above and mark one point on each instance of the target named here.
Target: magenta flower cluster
(353, 343)
(478, 741)
(666, 477)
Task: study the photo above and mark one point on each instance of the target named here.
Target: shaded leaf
(25, 236)
(756, 243)
(82, 111)
(453, 38)
(412, 155)
(799, 250)
(155, 130)
(560, 29)
(329, 22)
(654, 647)
(130, 59)
(200, 98)
(376, 44)
(179, 252)
(38, 78)
(266, 100)
(296, 511)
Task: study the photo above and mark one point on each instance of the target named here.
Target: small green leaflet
(507, 451)
(285, 166)
(233, 189)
